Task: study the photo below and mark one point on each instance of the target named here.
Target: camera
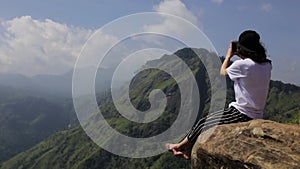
(234, 45)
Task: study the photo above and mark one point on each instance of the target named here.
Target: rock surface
(254, 144)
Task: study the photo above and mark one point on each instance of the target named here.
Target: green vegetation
(283, 103)
(27, 120)
(73, 149)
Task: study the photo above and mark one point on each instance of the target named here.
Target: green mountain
(283, 103)
(26, 120)
(73, 149)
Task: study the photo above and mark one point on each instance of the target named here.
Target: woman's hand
(226, 61)
(229, 51)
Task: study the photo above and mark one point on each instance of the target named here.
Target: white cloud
(189, 35)
(266, 7)
(217, 1)
(31, 47)
(171, 24)
(176, 7)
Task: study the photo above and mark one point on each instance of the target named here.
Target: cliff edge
(255, 144)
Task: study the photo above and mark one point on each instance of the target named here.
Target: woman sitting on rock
(251, 76)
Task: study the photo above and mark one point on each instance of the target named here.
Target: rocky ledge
(254, 144)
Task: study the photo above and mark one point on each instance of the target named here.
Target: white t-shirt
(251, 85)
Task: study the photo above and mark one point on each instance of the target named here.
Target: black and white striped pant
(226, 116)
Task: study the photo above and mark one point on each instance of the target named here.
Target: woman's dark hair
(249, 46)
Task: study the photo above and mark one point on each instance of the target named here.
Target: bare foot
(170, 146)
(181, 153)
(177, 150)
(181, 149)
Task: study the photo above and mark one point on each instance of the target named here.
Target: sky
(46, 37)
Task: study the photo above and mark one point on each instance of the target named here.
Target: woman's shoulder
(250, 64)
(244, 62)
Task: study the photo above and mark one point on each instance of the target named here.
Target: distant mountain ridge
(53, 85)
